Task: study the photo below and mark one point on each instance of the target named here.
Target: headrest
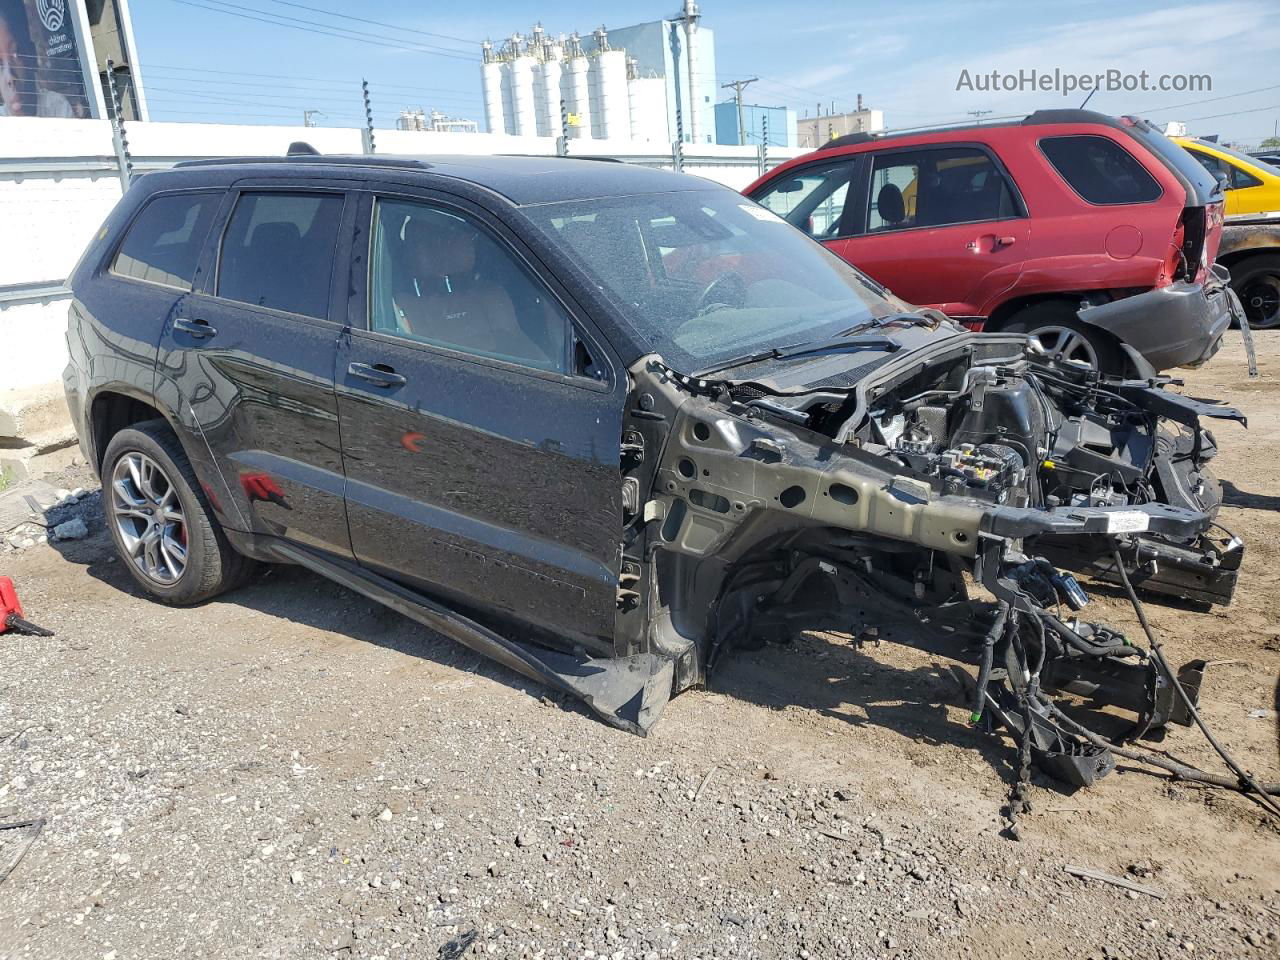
(890, 204)
(281, 234)
(440, 244)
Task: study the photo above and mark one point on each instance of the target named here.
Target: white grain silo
(491, 80)
(577, 88)
(549, 76)
(526, 124)
(610, 112)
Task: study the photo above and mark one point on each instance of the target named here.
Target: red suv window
(1100, 170)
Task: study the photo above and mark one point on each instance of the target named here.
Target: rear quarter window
(1099, 170)
(163, 243)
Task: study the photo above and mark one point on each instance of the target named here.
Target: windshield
(709, 275)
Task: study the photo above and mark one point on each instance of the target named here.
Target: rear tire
(1258, 286)
(1060, 333)
(160, 520)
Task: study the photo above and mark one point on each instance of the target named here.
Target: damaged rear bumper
(1180, 325)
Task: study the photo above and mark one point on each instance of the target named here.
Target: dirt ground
(290, 771)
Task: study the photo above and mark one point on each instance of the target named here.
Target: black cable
(1157, 654)
(1180, 771)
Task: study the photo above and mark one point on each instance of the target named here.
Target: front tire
(1256, 282)
(160, 522)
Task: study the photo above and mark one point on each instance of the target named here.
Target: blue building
(781, 124)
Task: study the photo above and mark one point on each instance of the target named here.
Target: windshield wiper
(833, 345)
(911, 319)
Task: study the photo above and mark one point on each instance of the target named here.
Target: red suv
(1095, 235)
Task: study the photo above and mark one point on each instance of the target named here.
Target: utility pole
(737, 86)
(309, 117)
(978, 114)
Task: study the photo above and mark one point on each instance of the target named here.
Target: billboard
(43, 60)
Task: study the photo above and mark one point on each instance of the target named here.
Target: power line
(1219, 116)
(1228, 96)
(376, 23)
(346, 84)
(331, 32)
(282, 20)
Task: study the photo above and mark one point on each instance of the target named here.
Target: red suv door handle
(975, 246)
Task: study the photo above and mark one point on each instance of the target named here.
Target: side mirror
(1224, 182)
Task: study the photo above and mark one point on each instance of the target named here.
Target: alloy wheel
(149, 519)
(1065, 344)
(1261, 300)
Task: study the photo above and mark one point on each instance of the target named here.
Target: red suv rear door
(942, 226)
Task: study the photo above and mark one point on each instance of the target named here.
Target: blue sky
(218, 66)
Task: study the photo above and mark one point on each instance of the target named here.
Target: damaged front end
(928, 491)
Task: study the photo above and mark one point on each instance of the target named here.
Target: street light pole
(737, 86)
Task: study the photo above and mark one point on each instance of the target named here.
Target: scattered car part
(33, 828)
(11, 616)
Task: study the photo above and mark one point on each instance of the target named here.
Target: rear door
(249, 360)
(940, 226)
(481, 423)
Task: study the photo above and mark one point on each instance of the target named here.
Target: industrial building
(817, 130)
(434, 121)
(628, 83)
(773, 126)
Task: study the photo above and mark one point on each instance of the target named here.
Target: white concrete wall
(58, 181)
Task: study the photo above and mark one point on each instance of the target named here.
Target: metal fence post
(119, 139)
(677, 148)
(367, 138)
(562, 142)
(764, 145)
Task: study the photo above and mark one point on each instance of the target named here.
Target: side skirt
(626, 692)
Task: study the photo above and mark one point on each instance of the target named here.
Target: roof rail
(334, 160)
(848, 140)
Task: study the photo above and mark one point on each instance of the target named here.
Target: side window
(278, 251)
(440, 278)
(1242, 179)
(164, 241)
(936, 187)
(811, 199)
(1209, 162)
(1100, 170)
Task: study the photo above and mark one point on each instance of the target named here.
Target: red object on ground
(11, 612)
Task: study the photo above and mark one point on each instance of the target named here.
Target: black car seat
(890, 206)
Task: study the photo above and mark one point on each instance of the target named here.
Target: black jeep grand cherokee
(603, 423)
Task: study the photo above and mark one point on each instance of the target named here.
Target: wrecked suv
(605, 424)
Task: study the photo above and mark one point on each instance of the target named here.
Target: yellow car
(1252, 185)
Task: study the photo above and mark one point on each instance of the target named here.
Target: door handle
(378, 374)
(199, 329)
(1005, 241)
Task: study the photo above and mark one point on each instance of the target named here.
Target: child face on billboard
(12, 72)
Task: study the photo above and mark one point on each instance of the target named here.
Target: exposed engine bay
(942, 497)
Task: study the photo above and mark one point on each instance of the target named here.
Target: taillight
(1173, 262)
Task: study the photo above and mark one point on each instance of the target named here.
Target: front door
(481, 452)
(249, 360)
(939, 226)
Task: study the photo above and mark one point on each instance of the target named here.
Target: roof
(522, 180)
(1039, 118)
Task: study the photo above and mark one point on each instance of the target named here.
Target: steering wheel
(726, 290)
